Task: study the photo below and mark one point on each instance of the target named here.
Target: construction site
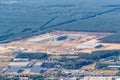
(60, 42)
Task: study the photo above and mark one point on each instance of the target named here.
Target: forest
(23, 19)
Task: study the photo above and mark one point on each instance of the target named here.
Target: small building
(114, 67)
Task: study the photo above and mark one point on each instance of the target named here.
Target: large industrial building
(114, 67)
(14, 70)
(37, 69)
(18, 64)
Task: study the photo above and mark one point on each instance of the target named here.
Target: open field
(3, 64)
(5, 58)
(4, 61)
(89, 67)
(107, 72)
(76, 42)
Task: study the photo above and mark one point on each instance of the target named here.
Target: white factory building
(18, 64)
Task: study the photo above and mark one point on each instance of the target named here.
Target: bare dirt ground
(3, 64)
(48, 43)
(89, 67)
(4, 61)
(107, 72)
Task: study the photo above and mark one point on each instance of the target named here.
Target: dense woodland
(24, 19)
(30, 56)
(115, 38)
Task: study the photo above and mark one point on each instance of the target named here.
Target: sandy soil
(107, 72)
(48, 43)
(3, 64)
(89, 67)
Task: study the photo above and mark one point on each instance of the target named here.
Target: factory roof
(20, 64)
(20, 59)
(114, 66)
(14, 70)
(37, 69)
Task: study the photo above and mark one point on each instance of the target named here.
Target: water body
(24, 18)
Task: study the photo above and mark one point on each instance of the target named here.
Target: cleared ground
(107, 72)
(75, 42)
(89, 67)
(4, 61)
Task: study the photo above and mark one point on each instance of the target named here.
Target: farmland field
(22, 18)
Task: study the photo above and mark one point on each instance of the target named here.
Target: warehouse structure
(114, 67)
(18, 64)
(37, 69)
(20, 60)
(14, 70)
